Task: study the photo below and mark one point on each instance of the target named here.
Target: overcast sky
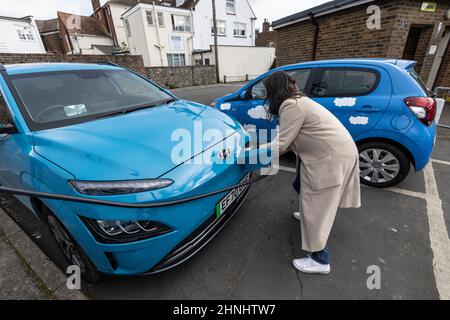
(46, 9)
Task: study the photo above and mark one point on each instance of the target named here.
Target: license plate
(230, 198)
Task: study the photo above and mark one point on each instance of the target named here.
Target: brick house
(410, 29)
(51, 37)
(267, 37)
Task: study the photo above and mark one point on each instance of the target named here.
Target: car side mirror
(243, 95)
(7, 128)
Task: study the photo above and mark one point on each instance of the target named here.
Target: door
(251, 110)
(357, 96)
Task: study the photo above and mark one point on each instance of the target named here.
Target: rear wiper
(136, 108)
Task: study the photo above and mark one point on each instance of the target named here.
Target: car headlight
(116, 231)
(107, 188)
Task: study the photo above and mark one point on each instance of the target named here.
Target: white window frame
(127, 27)
(25, 33)
(187, 24)
(224, 27)
(179, 40)
(161, 19)
(239, 27)
(149, 17)
(176, 56)
(230, 6)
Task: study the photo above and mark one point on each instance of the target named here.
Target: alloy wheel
(378, 165)
(65, 243)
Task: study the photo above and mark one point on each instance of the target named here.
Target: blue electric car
(383, 103)
(98, 131)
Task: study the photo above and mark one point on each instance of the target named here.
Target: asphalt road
(251, 257)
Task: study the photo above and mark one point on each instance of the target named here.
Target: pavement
(26, 273)
(401, 232)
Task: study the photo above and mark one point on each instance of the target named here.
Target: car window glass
(83, 94)
(300, 75)
(3, 110)
(345, 82)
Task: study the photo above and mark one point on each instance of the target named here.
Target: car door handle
(368, 109)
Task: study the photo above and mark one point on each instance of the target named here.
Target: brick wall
(177, 77)
(53, 43)
(132, 62)
(344, 34)
(169, 77)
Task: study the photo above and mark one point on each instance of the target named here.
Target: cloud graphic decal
(258, 112)
(345, 102)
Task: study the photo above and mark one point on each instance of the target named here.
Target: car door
(357, 96)
(250, 109)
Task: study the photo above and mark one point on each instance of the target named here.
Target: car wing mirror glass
(243, 95)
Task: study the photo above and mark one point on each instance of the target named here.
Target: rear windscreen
(419, 80)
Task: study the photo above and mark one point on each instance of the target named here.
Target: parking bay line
(441, 162)
(439, 240)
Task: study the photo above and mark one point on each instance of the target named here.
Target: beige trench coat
(329, 169)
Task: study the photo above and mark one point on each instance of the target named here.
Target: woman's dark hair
(279, 87)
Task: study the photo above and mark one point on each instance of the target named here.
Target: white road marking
(287, 169)
(407, 193)
(439, 239)
(441, 162)
(440, 242)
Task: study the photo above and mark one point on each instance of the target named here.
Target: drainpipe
(315, 37)
(155, 17)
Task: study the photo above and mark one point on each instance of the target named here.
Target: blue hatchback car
(383, 103)
(97, 131)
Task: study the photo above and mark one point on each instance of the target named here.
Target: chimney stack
(266, 26)
(95, 4)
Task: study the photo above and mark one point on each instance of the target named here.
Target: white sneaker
(309, 265)
(297, 215)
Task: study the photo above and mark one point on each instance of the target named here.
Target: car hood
(137, 145)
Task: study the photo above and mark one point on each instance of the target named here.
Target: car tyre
(382, 165)
(70, 248)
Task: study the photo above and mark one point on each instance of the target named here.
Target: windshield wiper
(136, 108)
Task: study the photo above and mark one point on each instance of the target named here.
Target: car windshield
(56, 99)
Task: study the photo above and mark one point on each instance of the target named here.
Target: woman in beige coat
(329, 165)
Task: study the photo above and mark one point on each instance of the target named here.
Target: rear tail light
(424, 108)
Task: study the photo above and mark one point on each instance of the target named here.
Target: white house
(20, 35)
(235, 23)
(163, 35)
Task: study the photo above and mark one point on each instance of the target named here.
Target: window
(25, 33)
(176, 43)
(198, 62)
(231, 6)
(301, 76)
(161, 21)
(221, 27)
(181, 23)
(176, 59)
(3, 111)
(127, 28)
(207, 62)
(240, 30)
(58, 99)
(340, 82)
(149, 15)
